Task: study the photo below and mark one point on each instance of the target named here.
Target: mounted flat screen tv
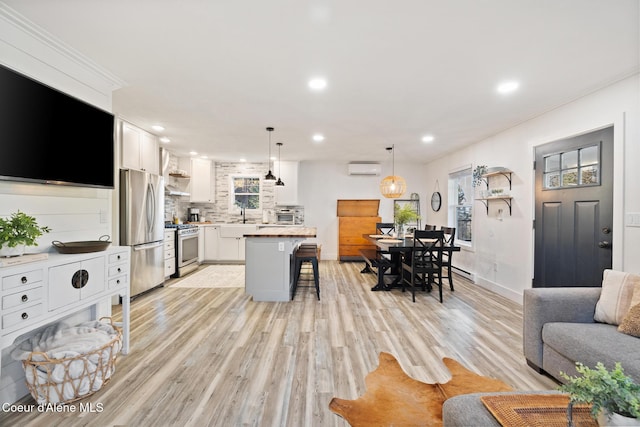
(49, 137)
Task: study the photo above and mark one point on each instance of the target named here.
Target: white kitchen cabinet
(231, 241)
(169, 252)
(202, 183)
(288, 172)
(210, 243)
(140, 150)
(231, 249)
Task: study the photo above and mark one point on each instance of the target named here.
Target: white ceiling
(216, 73)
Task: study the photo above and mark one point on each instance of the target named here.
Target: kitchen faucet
(243, 212)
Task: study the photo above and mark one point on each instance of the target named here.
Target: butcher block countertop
(284, 232)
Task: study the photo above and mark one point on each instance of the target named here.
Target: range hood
(169, 190)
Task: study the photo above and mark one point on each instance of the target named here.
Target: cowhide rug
(395, 399)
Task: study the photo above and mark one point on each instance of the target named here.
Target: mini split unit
(363, 168)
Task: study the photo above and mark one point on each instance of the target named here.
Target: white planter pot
(6, 251)
(606, 418)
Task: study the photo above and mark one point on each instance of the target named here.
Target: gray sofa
(559, 331)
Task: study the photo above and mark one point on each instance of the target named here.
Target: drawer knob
(119, 270)
(25, 316)
(118, 281)
(118, 256)
(25, 298)
(23, 279)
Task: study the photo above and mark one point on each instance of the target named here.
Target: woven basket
(73, 378)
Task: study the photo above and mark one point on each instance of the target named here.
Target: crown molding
(50, 41)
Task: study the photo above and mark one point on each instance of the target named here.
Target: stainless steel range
(186, 248)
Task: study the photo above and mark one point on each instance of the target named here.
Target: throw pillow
(630, 325)
(615, 298)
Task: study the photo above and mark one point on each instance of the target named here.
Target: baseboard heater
(464, 273)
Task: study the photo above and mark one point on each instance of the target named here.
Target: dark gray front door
(574, 210)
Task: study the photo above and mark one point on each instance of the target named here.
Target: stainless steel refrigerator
(142, 227)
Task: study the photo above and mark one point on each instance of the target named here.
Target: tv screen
(50, 137)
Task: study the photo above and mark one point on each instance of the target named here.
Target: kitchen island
(269, 261)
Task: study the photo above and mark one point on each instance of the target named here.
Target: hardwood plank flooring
(213, 357)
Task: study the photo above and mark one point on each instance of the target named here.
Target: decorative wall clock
(436, 201)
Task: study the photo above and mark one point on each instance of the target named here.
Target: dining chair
(447, 255)
(429, 227)
(424, 263)
(385, 228)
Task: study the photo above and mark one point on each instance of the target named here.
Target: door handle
(604, 244)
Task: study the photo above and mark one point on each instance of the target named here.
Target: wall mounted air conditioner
(362, 168)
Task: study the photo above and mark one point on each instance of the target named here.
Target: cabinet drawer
(169, 244)
(22, 279)
(169, 253)
(169, 268)
(117, 257)
(117, 269)
(22, 317)
(22, 298)
(118, 281)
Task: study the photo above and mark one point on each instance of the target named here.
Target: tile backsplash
(218, 212)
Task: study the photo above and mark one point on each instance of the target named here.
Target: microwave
(290, 216)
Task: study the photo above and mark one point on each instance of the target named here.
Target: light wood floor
(214, 357)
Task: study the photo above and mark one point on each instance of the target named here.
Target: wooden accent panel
(350, 231)
(358, 208)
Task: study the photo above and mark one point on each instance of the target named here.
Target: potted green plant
(477, 174)
(614, 397)
(18, 231)
(403, 215)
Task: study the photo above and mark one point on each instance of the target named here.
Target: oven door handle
(148, 246)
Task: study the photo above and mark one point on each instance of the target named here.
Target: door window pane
(589, 175)
(552, 163)
(552, 180)
(589, 156)
(570, 159)
(570, 177)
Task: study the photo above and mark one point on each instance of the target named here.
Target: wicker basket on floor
(69, 379)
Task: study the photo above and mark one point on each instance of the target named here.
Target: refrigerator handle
(148, 246)
(151, 213)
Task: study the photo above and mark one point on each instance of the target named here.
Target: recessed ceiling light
(508, 87)
(193, 153)
(318, 83)
(157, 128)
(427, 138)
(165, 140)
(318, 137)
(243, 160)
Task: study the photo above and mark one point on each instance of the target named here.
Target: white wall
(321, 184)
(508, 244)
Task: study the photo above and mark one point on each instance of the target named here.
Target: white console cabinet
(37, 293)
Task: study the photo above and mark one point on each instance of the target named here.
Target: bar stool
(308, 254)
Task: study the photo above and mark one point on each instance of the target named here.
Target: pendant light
(393, 186)
(269, 176)
(279, 182)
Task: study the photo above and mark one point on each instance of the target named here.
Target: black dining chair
(423, 264)
(447, 255)
(429, 227)
(385, 228)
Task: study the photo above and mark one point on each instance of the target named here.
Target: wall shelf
(486, 177)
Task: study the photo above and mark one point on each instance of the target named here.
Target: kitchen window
(245, 192)
(461, 204)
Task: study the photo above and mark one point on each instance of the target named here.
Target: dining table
(397, 247)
